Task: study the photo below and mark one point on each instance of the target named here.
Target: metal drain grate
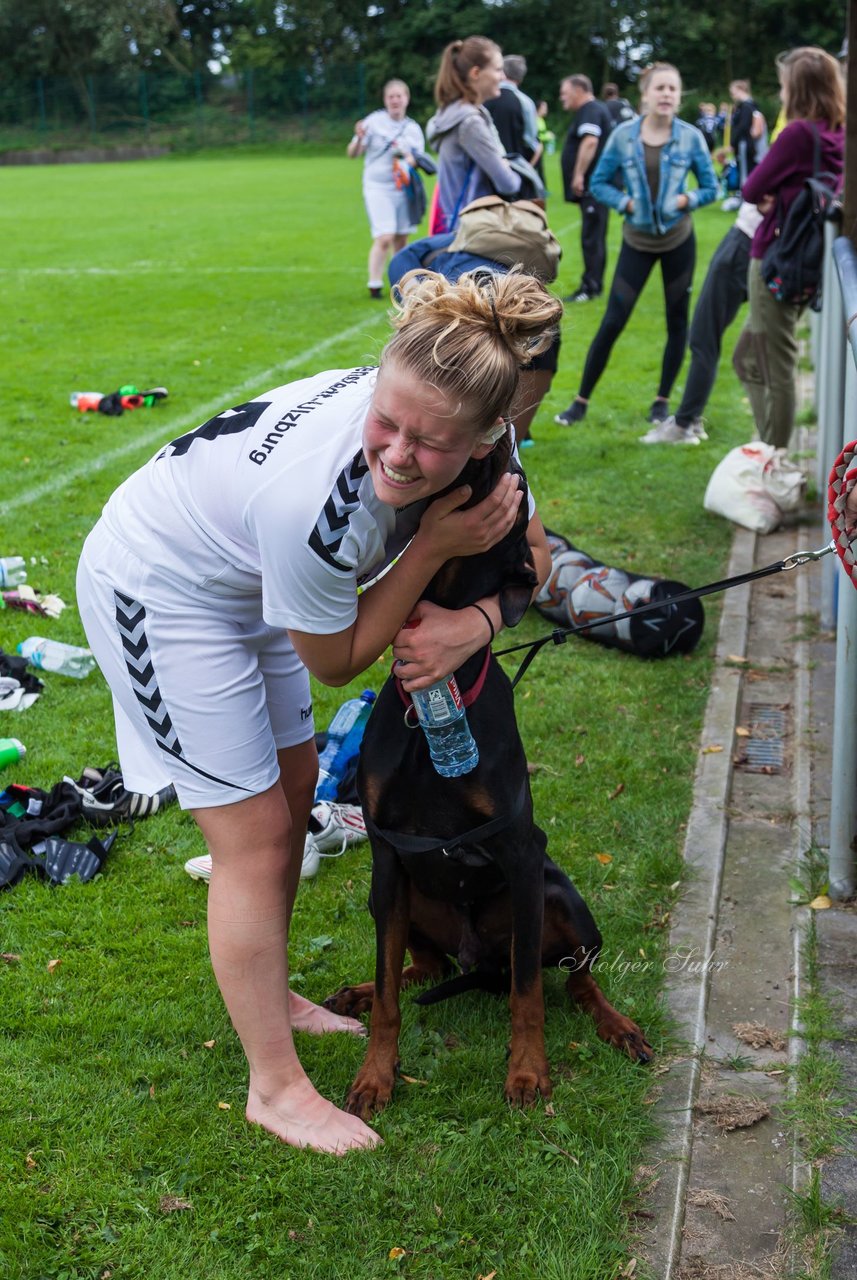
(763, 750)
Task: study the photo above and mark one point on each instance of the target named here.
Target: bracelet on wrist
(487, 618)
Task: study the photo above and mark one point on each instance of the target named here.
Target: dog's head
(507, 569)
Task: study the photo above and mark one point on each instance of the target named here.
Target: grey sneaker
(669, 432)
(697, 428)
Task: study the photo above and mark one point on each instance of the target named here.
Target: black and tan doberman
(460, 870)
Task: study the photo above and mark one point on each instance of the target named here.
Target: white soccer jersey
(271, 498)
(384, 139)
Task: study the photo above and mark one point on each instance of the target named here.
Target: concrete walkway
(720, 1176)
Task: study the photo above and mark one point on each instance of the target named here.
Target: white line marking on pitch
(258, 383)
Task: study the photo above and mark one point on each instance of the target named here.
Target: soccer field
(219, 277)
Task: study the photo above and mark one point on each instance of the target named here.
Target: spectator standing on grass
(766, 354)
(620, 108)
(708, 123)
(227, 568)
(518, 128)
(388, 140)
(723, 293)
(471, 157)
(589, 130)
(748, 131)
(654, 156)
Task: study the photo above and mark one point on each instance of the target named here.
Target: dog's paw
(524, 1084)
(352, 1001)
(369, 1094)
(626, 1036)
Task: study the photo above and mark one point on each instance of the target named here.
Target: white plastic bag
(754, 485)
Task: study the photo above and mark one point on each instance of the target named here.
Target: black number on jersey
(229, 423)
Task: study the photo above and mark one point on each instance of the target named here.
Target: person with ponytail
(471, 158)
(766, 353)
(226, 570)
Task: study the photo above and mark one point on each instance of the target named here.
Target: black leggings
(632, 271)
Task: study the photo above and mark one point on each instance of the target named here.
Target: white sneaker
(332, 828)
(697, 428)
(199, 868)
(731, 203)
(669, 432)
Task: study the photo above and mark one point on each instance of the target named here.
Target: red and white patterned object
(843, 478)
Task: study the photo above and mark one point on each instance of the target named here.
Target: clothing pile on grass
(33, 824)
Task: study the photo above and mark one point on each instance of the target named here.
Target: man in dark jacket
(584, 143)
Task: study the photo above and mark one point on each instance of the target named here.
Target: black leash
(559, 635)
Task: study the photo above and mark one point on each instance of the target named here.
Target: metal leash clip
(807, 557)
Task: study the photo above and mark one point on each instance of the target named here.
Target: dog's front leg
(373, 1084)
(529, 1073)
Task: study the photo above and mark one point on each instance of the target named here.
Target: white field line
(256, 384)
(147, 266)
(261, 381)
(169, 269)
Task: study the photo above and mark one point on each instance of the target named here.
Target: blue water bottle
(343, 742)
(441, 714)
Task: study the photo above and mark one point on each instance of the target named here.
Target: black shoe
(659, 411)
(581, 296)
(375, 293)
(575, 412)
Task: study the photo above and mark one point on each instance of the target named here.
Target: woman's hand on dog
(435, 641)
(451, 531)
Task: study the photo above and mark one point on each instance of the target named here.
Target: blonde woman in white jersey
(227, 568)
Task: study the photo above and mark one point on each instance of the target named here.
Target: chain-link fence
(199, 108)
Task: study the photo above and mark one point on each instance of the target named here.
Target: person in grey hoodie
(472, 160)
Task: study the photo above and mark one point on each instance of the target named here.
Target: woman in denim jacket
(653, 156)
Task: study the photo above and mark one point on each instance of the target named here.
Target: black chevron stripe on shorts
(131, 619)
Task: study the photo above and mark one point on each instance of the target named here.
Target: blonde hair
(457, 61)
(469, 339)
(646, 75)
(812, 85)
(391, 83)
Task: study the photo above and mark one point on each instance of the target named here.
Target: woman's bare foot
(306, 1016)
(301, 1117)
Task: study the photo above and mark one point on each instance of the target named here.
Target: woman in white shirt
(227, 568)
(388, 140)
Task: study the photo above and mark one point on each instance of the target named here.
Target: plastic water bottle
(343, 742)
(441, 714)
(84, 400)
(50, 655)
(11, 751)
(13, 571)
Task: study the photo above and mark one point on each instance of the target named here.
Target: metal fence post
(831, 404)
(843, 789)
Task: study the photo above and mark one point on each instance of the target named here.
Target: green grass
(220, 277)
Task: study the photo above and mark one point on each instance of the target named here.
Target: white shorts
(387, 210)
(204, 691)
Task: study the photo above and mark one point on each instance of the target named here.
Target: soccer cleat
(199, 868)
(104, 800)
(659, 412)
(332, 828)
(669, 432)
(575, 412)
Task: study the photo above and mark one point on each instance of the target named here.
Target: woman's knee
(384, 243)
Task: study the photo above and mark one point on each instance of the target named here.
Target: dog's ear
(515, 596)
